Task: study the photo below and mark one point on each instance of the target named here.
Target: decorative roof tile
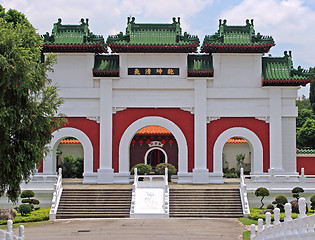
(237, 39)
(236, 140)
(70, 141)
(106, 66)
(279, 71)
(200, 65)
(153, 130)
(148, 37)
(73, 38)
(305, 151)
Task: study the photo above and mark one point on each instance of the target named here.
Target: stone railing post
(252, 231)
(288, 212)
(21, 232)
(276, 216)
(302, 177)
(166, 176)
(268, 219)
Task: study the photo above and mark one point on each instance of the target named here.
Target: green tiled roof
(237, 39)
(200, 65)
(279, 71)
(305, 151)
(73, 38)
(148, 37)
(106, 66)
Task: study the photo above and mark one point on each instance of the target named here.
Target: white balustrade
(8, 235)
(290, 229)
(243, 193)
(56, 196)
(150, 196)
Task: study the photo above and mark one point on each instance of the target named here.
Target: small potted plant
(160, 169)
(142, 169)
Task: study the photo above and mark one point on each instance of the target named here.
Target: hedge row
(35, 216)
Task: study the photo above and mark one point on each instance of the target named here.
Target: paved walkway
(138, 229)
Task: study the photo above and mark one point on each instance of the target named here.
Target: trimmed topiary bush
(280, 201)
(25, 209)
(27, 195)
(270, 206)
(296, 192)
(142, 169)
(261, 192)
(160, 169)
(312, 202)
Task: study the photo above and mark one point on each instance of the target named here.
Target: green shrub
(160, 168)
(230, 173)
(27, 194)
(25, 209)
(35, 216)
(261, 192)
(254, 215)
(72, 167)
(296, 192)
(142, 169)
(280, 201)
(270, 206)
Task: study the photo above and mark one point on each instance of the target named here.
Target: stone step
(205, 215)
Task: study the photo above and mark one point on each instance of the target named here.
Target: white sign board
(148, 200)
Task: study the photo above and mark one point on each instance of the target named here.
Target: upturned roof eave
(92, 48)
(188, 48)
(227, 48)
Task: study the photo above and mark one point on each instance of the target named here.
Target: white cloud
(290, 22)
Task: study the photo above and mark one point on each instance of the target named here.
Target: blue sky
(290, 22)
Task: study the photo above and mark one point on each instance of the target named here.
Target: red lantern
(171, 142)
(163, 141)
(148, 142)
(133, 142)
(140, 142)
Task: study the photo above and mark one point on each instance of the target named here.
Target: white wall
(230, 150)
(71, 149)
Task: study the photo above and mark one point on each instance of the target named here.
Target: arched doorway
(49, 164)
(155, 156)
(153, 145)
(236, 154)
(255, 146)
(70, 158)
(127, 137)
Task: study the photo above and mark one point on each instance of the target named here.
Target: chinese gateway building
(155, 99)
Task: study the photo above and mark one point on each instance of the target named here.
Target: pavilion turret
(153, 37)
(279, 71)
(73, 38)
(237, 39)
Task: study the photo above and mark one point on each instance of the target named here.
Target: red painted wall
(123, 119)
(308, 163)
(260, 128)
(92, 130)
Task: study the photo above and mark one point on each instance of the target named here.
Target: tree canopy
(312, 91)
(28, 102)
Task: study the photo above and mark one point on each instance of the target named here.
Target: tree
(28, 103)
(306, 135)
(312, 91)
(262, 192)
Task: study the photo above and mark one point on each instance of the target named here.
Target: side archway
(124, 153)
(254, 143)
(49, 164)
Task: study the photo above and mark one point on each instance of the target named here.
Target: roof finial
(220, 22)
(178, 19)
(224, 22)
(128, 20)
(247, 22)
(82, 21)
(174, 19)
(285, 53)
(87, 21)
(252, 22)
(133, 20)
(290, 54)
(59, 20)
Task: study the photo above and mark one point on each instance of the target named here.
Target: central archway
(154, 149)
(124, 154)
(254, 143)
